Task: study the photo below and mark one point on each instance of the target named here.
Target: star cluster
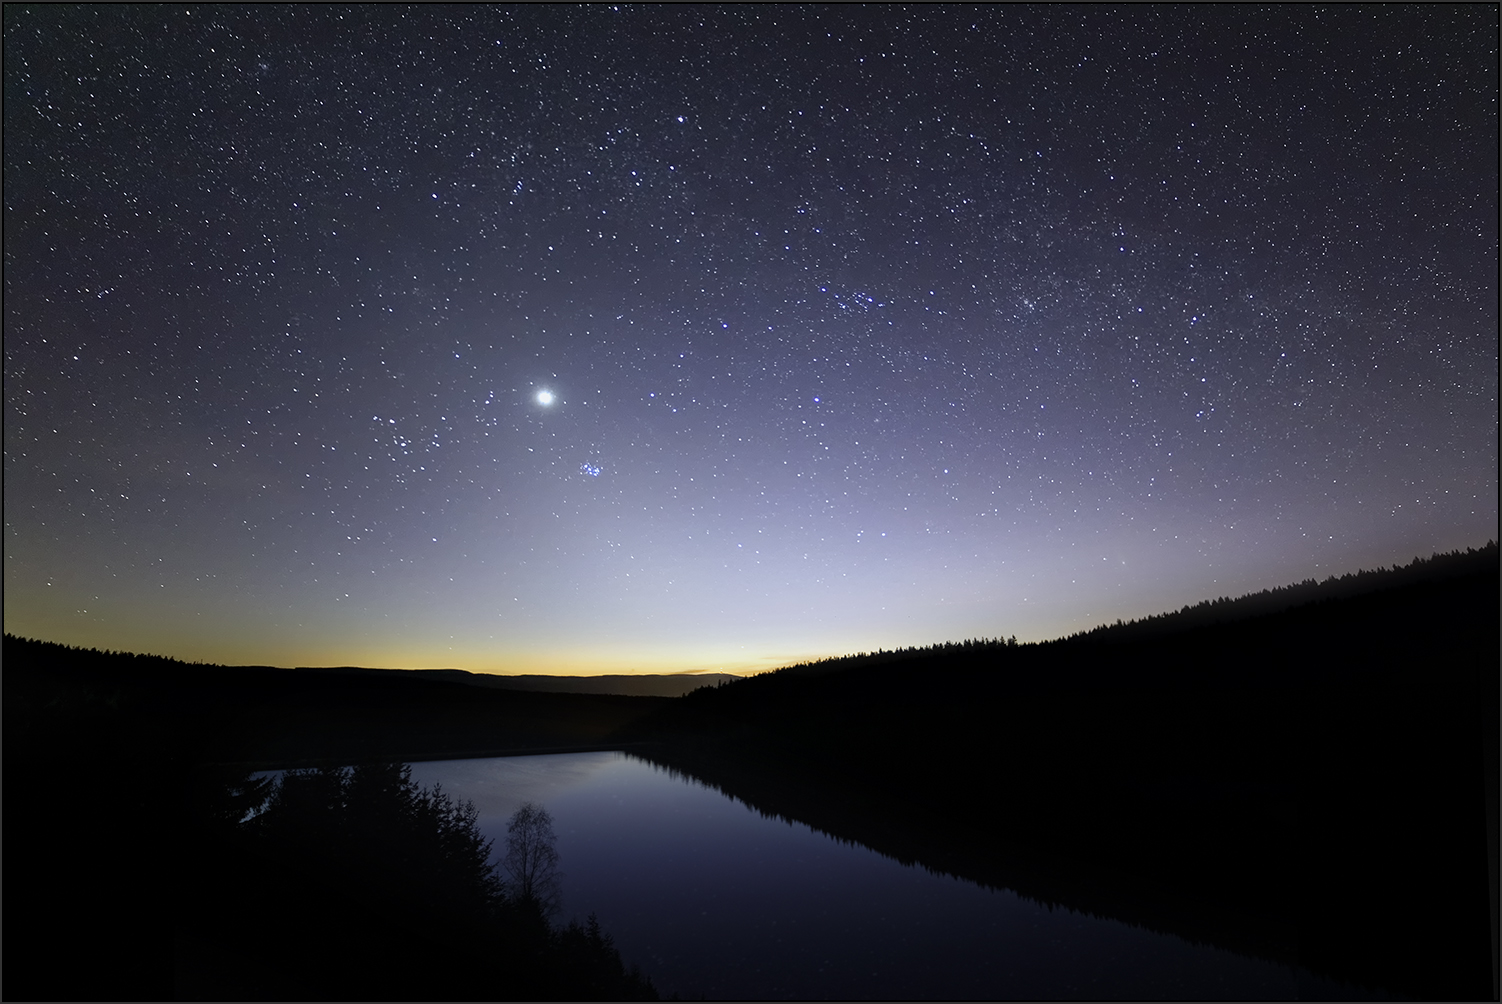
(589, 339)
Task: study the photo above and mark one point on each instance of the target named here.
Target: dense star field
(599, 339)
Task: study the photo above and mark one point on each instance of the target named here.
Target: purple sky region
(859, 327)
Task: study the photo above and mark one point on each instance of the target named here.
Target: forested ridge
(1221, 610)
(272, 717)
(132, 873)
(1307, 775)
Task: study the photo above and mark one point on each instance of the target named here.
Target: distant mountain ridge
(628, 685)
(640, 685)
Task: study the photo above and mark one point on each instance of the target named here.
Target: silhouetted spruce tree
(372, 823)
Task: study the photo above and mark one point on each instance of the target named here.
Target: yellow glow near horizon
(229, 646)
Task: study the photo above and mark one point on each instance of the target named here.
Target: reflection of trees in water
(1218, 783)
(351, 882)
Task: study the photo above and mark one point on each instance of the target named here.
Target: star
(705, 265)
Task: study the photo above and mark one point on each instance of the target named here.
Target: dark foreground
(358, 884)
(125, 878)
(1315, 785)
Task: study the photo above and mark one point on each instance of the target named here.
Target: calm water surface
(711, 898)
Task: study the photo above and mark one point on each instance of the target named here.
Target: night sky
(603, 339)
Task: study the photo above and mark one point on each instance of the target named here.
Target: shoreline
(305, 763)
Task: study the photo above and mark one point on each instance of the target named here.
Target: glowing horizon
(586, 660)
(577, 355)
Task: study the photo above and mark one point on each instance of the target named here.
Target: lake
(711, 898)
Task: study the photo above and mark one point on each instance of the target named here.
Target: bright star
(544, 397)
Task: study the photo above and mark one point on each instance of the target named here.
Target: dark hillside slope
(103, 755)
(1311, 785)
(56, 696)
(1225, 610)
(630, 684)
(639, 684)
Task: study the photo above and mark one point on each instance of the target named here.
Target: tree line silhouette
(354, 882)
(93, 736)
(1314, 783)
(1279, 598)
(1293, 779)
(291, 717)
(1202, 614)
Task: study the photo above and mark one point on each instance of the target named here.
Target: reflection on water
(711, 898)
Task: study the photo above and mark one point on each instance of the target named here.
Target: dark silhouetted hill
(636, 685)
(56, 695)
(1205, 613)
(1309, 775)
(625, 684)
(108, 887)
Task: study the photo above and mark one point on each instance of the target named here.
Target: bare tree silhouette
(531, 861)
